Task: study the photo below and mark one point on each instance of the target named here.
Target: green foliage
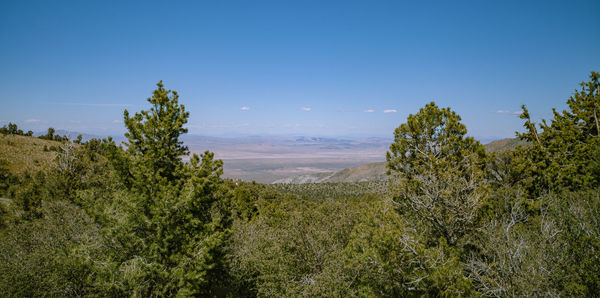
(165, 221)
(547, 255)
(333, 190)
(153, 145)
(293, 247)
(74, 171)
(500, 169)
(576, 218)
(69, 172)
(5, 177)
(386, 257)
(173, 230)
(40, 257)
(117, 157)
(565, 154)
(11, 129)
(50, 133)
(245, 197)
(29, 194)
(433, 139)
(437, 172)
(51, 136)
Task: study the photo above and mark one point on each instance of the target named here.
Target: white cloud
(369, 111)
(305, 109)
(33, 120)
(503, 112)
(116, 121)
(390, 111)
(245, 108)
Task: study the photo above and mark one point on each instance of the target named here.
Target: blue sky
(322, 68)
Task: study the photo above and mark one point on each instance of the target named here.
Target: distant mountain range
(256, 147)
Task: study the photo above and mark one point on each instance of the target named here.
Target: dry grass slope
(26, 153)
(504, 144)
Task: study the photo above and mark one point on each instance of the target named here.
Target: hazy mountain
(294, 147)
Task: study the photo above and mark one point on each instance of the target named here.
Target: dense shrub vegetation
(335, 190)
(453, 220)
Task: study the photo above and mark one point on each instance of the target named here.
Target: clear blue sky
(293, 67)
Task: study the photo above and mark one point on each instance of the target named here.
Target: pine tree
(153, 141)
(179, 231)
(437, 172)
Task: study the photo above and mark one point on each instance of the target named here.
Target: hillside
(377, 171)
(23, 153)
(306, 178)
(369, 172)
(504, 144)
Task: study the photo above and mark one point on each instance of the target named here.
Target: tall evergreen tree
(153, 141)
(437, 172)
(174, 233)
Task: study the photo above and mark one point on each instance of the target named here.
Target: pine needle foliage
(153, 140)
